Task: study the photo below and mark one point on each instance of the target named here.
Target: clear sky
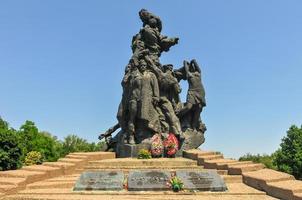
(61, 63)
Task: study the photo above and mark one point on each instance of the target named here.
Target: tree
(288, 158)
(43, 142)
(73, 143)
(265, 159)
(10, 150)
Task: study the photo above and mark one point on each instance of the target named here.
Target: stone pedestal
(128, 150)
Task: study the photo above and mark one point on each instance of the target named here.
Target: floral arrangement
(157, 147)
(175, 184)
(171, 145)
(144, 154)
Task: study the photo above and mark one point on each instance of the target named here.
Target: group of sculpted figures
(150, 102)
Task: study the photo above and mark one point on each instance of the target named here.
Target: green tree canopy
(10, 150)
(289, 157)
(73, 143)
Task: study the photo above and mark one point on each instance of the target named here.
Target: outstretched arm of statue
(186, 66)
(196, 66)
(109, 131)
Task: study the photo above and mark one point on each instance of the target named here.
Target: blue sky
(61, 63)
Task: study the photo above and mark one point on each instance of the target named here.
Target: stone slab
(148, 180)
(100, 180)
(259, 179)
(128, 150)
(201, 180)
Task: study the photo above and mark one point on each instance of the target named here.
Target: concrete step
(284, 189)
(297, 196)
(227, 165)
(194, 153)
(76, 156)
(95, 155)
(232, 178)
(222, 172)
(213, 164)
(259, 179)
(11, 181)
(50, 171)
(239, 169)
(72, 160)
(67, 168)
(201, 159)
(51, 184)
(7, 188)
(179, 196)
(233, 189)
(143, 163)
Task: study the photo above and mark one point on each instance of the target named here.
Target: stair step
(232, 178)
(6, 188)
(227, 165)
(133, 162)
(201, 159)
(76, 156)
(213, 164)
(284, 189)
(11, 181)
(239, 169)
(194, 153)
(71, 160)
(46, 185)
(259, 179)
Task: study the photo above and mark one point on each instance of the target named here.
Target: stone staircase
(244, 180)
(13, 181)
(273, 183)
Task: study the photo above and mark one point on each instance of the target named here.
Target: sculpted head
(168, 67)
(142, 65)
(150, 19)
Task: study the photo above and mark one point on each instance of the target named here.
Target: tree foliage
(265, 159)
(73, 143)
(43, 142)
(288, 158)
(30, 146)
(10, 149)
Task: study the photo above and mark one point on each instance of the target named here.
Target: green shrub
(265, 159)
(33, 158)
(10, 150)
(43, 142)
(289, 157)
(144, 154)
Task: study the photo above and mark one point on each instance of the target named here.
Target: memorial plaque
(100, 180)
(148, 180)
(201, 180)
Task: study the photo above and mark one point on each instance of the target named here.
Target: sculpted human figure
(150, 39)
(134, 99)
(149, 97)
(150, 101)
(196, 94)
(169, 95)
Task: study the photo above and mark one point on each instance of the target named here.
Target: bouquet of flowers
(171, 145)
(175, 184)
(157, 146)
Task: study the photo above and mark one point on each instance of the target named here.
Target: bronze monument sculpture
(150, 101)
